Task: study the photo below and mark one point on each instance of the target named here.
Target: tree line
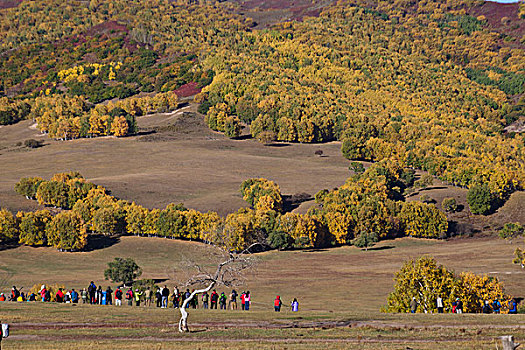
(370, 204)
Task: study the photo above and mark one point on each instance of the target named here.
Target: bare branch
(229, 272)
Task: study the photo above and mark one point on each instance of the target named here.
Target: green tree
(511, 230)
(423, 220)
(366, 239)
(357, 167)
(481, 200)
(122, 270)
(27, 186)
(107, 221)
(232, 127)
(280, 240)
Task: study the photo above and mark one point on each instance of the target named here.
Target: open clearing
(340, 291)
(176, 159)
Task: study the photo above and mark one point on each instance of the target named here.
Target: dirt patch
(494, 12)
(6, 4)
(109, 28)
(188, 90)
(268, 12)
(518, 126)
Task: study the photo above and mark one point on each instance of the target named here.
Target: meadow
(340, 290)
(175, 158)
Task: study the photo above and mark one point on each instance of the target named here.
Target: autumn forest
(404, 85)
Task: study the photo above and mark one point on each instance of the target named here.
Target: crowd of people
(160, 297)
(457, 306)
(164, 298)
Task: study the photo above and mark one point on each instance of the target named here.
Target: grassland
(177, 159)
(340, 291)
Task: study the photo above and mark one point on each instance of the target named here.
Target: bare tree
(229, 271)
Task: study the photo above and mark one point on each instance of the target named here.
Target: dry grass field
(181, 161)
(340, 291)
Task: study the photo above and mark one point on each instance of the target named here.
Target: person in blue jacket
(496, 306)
(513, 306)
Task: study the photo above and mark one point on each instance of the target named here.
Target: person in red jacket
(59, 296)
(243, 301)
(277, 304)
(214, 297)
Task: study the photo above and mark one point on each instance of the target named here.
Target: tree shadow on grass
(243, 137)
(277, 144)
(315, 250)
(385, 247)
(9, 245)
(144, 132)
(198, 330)
(96, 242)
(290, 202)
(159, 280)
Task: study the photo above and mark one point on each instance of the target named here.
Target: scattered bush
(449, 205)
(511, 230)
(32, 143)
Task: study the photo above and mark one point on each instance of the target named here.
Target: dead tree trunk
(508, 342)
(227, 273)
(183, 322)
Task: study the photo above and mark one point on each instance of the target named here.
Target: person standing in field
(439, 304)
(138, 294)
(175, 297)
(459, 306)
(486, 307)
(109, 296)
(165, 294)
(74, 296)
(413, 305)
(232, 302)
(43, 291)
(277, 304)
(247, 300)
(222, 301)
(92, 290)
(14, 294)
(205, 299)
(496, 306)
(243, 302)
(147, 297)
(214, 298)
(118, 297)
(158, 298)
(513, 307)
(129, 296)
(84, 295)
(99, 295)
(295, 305)
(59, 297)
